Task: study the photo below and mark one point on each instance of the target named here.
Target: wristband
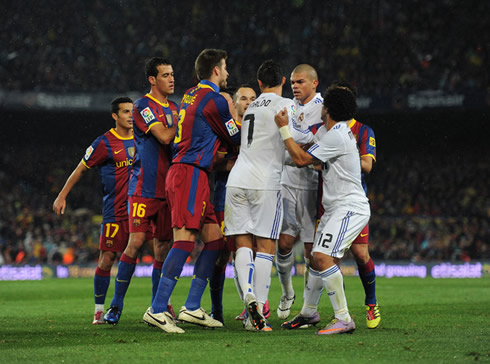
(285, 134)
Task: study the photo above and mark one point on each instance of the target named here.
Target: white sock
(244, 264)
(312, 293)
(333, 281)
(168, 303)
(99, 307)
(237, 284)
(262, 276)
(307, 270)
(284, 264)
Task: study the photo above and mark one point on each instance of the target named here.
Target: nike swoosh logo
(119, 151)
(121, 280)
(196, 317)
(157, 320)
(294, 325)
(99, 295)
(363, 235)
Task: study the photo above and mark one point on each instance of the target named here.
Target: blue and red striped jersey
(204, 123)
(366, 143)
(113, 156)
(152, 158)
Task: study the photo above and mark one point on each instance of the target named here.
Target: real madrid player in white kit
(299, 189)
(253, 206)
(346, 205)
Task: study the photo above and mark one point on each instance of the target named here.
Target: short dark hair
(117, 101)
(270, 73)
(340, 103)
(342, 83)
(151, 65)
(207, 60)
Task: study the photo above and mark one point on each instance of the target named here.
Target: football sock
(102, 279)
(202, 271)
(333, 282)
(262, 276)
(216, 285)
(307, 270)
(367, 274)
(244, 263)
(312, 293)
(124, 273)
(155, 277)
(237, 284)
(284, 264)
(171, 270)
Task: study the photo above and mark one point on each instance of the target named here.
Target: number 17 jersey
(261, 158)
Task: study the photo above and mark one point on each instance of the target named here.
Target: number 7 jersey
(261, 158)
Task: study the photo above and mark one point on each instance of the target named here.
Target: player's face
(231, 104)
(124, 117)
(303, 86)
(165, 81)
(223, 74)
(244, 97)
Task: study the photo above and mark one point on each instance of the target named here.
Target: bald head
(304, 81)
(307, 70)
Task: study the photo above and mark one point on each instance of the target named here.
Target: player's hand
(59, 206)
(281, 118)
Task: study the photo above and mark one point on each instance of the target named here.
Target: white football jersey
(261, 158)
(342, 174)
(307, 115)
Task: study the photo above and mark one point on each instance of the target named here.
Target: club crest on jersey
(232, 127)
(372, 142)
(147, 115)
(170, 121)
(301, 117)
(88, 152)
(131, 152)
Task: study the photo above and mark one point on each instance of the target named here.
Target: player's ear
(114, 116)
(283, 81)
(152, 80)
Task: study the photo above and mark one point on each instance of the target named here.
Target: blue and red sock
(171, 270)
(125, 271)
(202, 271)
(156, 273)
(367, 274)
(102, 279)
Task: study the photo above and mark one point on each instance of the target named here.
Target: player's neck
(308, 99)
(124, 132)
(275, 90)
(330, 123)
(158, 96)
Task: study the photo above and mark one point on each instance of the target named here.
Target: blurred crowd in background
(381, 46)
(417, 215)
(424, 208)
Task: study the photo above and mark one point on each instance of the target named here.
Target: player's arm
(298, 155)
(162, 134)
(60, 203)
(218, 115)
(366, 163)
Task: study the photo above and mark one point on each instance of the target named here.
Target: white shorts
(300, 210)
(257, 212)
(337, 231)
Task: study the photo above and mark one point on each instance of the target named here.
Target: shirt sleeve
(96, 153)
(367, 143)
(217, 113)
(145, 116)
(329, 146)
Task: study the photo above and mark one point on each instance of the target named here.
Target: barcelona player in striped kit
(112, 153)
(204, 124)
(154, 130)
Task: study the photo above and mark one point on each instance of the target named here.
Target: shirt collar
(207, 83)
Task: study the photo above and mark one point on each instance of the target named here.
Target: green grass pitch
(423, 321)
